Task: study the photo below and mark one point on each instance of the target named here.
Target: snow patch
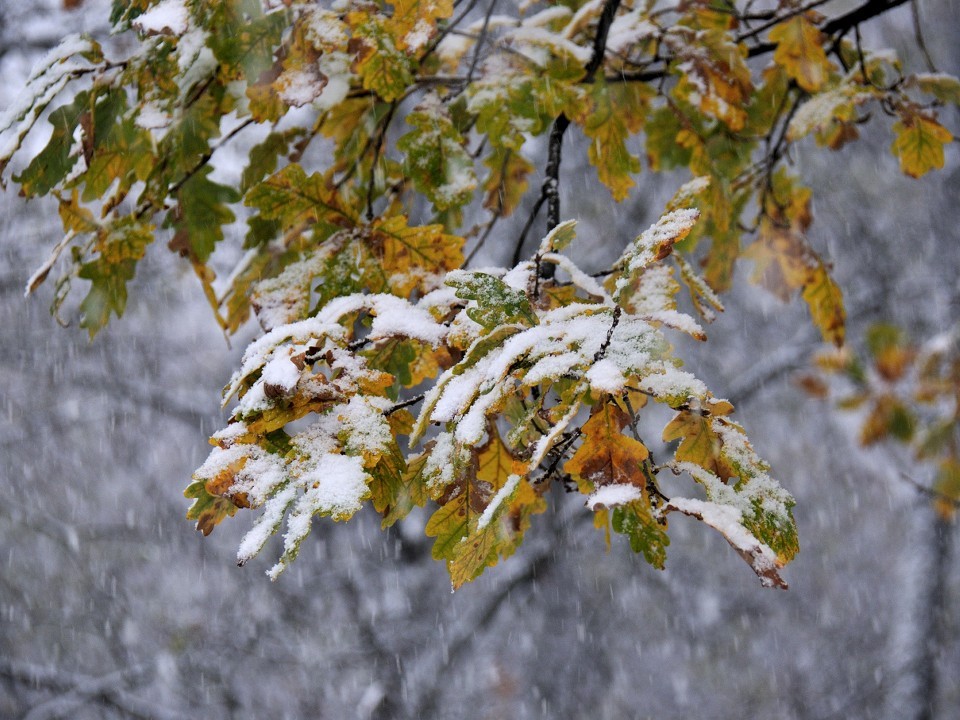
(167, 17)
(502, 494)
(610, 496)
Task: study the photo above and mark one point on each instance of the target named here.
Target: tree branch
(838, 25)
(79, 689)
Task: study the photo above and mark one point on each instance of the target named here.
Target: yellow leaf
(381, 64)
(395, 488)
(75, 217)
(208, 510)
(607, 456)
(825, 300)
(948, 486)
(499, 537)
(413, 256)
(919, 144)
(495, 462)
(800, 52)
(484, 513)
(699, 443)
(716, 73)
(507, 181)
(606, 125)
(784, 262)
(415, 21)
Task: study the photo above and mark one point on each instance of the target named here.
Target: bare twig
(918, 36)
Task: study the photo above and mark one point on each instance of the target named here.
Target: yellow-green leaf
(800, 52)
(825, 300)
(919, 144)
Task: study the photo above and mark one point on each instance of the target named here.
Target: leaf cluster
(356, 224)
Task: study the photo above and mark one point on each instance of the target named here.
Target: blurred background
(112, 606)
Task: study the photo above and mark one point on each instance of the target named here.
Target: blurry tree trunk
(931, 617)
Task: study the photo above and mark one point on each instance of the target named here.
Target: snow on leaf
(513, 102)
(946, 88)
(578, 277)
(493, 303)
(714, 74)
(655, 243)
(559, 57)
(336, 485)
(435, 156)
(414, 22)
(74, 55)
(53, 164)
(166, 17)
(383, 67)
(699, 443)
(558, 238)
(727, 521)
(609, 496)
(826, 108)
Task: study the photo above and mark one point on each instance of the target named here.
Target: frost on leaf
(436, 160)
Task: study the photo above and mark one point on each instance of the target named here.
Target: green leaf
(395, 487)
(108, 292)
(118, 150)
(245, 48)
(509, 107)
(200, 215)
(296, 200)
(606, 125)
(646, 534)
(944, 88)
(384, 68)
(435, 157)
(52, 164)
(506, 183)
(496, 302)
(264, 156)
(663, 150)
(121, 246)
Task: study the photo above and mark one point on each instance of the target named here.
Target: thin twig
(930, 492)
(479, 44)
(406, 403)
(518, 248)
(918, 36)
(376, 157)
